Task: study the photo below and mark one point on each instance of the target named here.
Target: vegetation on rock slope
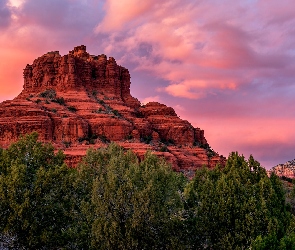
(113, 201)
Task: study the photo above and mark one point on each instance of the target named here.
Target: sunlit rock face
(78, 100)
(287, 169)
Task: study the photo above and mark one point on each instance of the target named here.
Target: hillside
(78, 101)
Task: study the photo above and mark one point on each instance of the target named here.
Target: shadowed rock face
(77, 101)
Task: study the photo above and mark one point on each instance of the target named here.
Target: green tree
(35, 194)
(134, 205)
(229, 208)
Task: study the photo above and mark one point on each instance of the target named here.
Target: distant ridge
(78, 101)
(287, 169)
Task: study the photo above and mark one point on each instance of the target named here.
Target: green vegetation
(59, 100)
(35, 194)
(72, 109)
(116, 112)
(164, 148)
(38, 101)
(67, 143)
(129, 205)
(49, 93)
(243, 207)
(146, 139)
(113, 201)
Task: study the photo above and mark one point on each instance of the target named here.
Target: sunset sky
(226, 66)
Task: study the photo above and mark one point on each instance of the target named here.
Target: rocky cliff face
(287, 169)
(77, 101)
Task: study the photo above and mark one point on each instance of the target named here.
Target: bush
(133, 205)
(103, 138)
(49, 93)
(129, 137)
(229, 208)
(164, 148)
(72, 109)
(116, 112)
(67, 143)
(59, 100)
(35, 195)
(146, 139)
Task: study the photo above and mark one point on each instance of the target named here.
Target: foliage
(59, 100)
(38, 101)
(67, 143)
(164, 148)
(72, 109)
(49, 93)
(230, 208)
(146, 139)
(135, 205)
(35, 194)
(113, 201)
(116, 112)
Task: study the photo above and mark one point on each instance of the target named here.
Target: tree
(135, 205)
(35, 194)
(229, 208)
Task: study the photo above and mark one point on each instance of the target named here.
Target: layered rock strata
(78, 100)
(287, 169)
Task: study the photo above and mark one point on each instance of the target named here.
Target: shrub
(132, 205)
(34, 195)
(116, 112)
(103, 138)
(49, 93)
(67, 143)
(146, 139)
(129, 137)
(59, 100)
(164, 148)
(72, 109)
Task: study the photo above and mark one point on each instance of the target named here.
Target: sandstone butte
(78, 101)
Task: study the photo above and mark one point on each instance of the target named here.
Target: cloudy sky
(226, 66)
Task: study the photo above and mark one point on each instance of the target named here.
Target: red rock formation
(287, 169)
(77, 101)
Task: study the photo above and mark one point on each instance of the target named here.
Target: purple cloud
(5, 14)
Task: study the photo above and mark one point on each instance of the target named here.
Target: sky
(226, 66)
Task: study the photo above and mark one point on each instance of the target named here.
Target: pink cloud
(197, 47)
(118, 13)
(151, 99)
